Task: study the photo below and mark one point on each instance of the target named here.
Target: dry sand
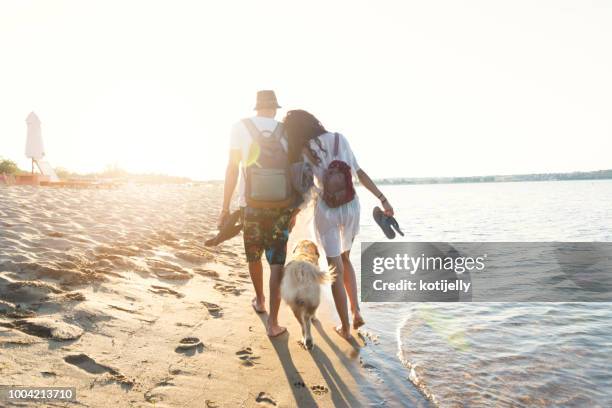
(114, 293)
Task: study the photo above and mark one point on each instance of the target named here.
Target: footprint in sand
(189, 346)
(18, 343)
(172, 275)
(319, 389)
(214, 310)
(239, 278)
(246, 356)
(152, 397)
(265, 398)
(162, 290)
(167, 270)
(228, 289)
(88, 364)
(208, 273)
(166, 382)
(123, 309)
(14, 311)
(194, 258)
(46, 328)
(74, 297)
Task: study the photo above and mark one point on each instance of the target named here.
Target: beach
(114, 293)
(447, 158)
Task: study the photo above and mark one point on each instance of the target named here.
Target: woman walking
(336, 214)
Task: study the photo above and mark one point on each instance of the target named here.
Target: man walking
(258, 151)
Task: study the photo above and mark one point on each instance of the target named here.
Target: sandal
(395, 225)
(230, 229)
(388, 224)
(381, 220)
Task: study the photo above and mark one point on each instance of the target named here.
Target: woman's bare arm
(367, 182)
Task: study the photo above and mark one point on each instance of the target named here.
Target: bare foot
(357, 320)
(276, 330)
(344, 333)
(259, 307)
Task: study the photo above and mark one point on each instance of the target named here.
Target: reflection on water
(503, 354)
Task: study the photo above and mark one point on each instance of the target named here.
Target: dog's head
(306, 250)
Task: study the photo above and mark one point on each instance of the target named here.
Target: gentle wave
(531, 355)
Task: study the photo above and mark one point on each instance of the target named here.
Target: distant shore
(577, 175)
(117, 174)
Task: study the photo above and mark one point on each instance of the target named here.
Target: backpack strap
(253, 131)
(255, 135)
(336, 143)
(279, 132)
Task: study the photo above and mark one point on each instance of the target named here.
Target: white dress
(334, 228)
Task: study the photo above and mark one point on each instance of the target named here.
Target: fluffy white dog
(301, 286)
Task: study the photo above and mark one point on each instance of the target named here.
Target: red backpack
(338, 181)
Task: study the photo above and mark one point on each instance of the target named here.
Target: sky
(419, 88)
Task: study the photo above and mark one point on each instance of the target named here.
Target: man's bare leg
(256, 272)
(276, 275)
(350, 283)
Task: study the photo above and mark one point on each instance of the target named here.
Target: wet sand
(114, 293)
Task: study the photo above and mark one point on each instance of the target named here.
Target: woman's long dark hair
(301, 128)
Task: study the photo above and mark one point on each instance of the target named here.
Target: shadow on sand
(281, 346)
(340, 393)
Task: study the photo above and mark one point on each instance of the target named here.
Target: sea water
(491, 354)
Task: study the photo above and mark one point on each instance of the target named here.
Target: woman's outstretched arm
(371, 186)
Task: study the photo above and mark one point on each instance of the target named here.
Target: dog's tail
(324, 277)
(330, 276)
(308, 272)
